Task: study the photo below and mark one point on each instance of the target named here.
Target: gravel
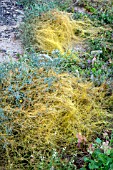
(11, 16)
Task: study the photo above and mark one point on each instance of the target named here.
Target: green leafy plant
(57, 161)
(101, 154)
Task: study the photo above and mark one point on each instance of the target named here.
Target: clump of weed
(56, 30)
(43, 110)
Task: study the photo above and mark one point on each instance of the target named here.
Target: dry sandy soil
(11, 16)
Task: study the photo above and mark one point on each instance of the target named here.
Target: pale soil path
(11, 16)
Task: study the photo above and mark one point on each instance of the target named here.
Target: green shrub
(101, 155)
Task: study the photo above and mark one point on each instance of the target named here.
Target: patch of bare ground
(11, 16)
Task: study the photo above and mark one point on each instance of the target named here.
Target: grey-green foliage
(36, 7)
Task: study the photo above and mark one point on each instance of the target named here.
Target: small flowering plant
(105, 145)
(100, 154)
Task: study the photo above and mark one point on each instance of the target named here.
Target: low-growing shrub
(61, 4)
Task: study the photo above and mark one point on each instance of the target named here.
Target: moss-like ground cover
(56, 103)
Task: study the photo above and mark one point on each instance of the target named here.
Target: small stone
(96, 52)
(2, 51)
(20, 12)
(14, 15)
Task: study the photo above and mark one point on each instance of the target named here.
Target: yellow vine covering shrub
(57, 30)
(55, 114)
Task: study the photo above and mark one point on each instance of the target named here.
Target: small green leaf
(98, 141)
(94, 70)
(93, 165)
(111, 166)
(86, 159)
(83, 169)
(111, 141)
(108, 151)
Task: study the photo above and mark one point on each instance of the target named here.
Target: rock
(96, 52)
